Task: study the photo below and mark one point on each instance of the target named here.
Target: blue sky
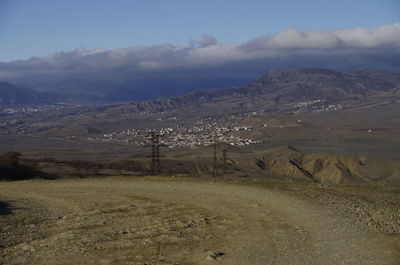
(37, 28)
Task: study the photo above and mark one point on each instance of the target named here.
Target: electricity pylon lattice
(215, 164)
(155, 152)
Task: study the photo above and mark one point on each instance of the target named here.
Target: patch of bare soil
(166, 221)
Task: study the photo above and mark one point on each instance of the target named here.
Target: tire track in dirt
(154, 221)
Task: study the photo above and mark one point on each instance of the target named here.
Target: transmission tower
(225, 159)
(155, 152)
(215, 165)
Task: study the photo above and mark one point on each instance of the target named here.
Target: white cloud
(351, 48)
(382, 37)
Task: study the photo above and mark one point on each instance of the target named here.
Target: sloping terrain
(341, 121)
(145, 221)
(333, 169)
(11, 94)
(284, 163)
(287, 86)
(278, 92)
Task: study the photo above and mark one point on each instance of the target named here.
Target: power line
(155, 152)
(225, 159)
(215, 165)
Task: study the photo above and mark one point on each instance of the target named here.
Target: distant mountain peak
(11, 94)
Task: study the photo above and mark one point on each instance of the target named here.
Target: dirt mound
(332, 169)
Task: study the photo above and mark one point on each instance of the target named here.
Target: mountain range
(276, 86)
(11, 94)
(283, 86)
(318, 111)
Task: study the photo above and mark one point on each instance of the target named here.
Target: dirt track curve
(156, 221)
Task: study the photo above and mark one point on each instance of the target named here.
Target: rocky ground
(374, 209)
(176, 221)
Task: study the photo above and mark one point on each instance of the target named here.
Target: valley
(340, 128)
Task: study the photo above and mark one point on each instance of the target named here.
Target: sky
(38, 28)
(181, 45)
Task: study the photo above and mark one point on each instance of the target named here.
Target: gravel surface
(175, 221)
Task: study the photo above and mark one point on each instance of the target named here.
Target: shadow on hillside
(5, 208)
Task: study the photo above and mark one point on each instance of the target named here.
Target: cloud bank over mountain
(339, 49)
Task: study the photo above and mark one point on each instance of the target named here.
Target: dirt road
(158, 221)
